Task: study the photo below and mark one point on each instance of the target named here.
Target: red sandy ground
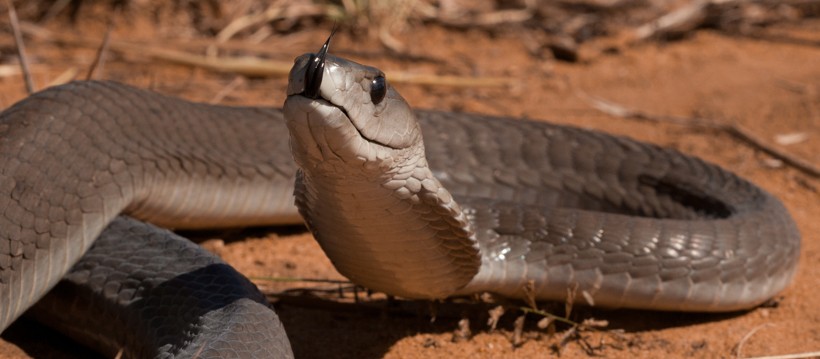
(770, 88)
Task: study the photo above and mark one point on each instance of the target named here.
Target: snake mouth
(362, 135)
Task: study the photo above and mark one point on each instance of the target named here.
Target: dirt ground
(771, 88)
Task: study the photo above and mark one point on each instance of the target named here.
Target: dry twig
(99, 58)
(806, 355)
(684, 19)
(735, 130)
(254, 66)
(21, 48)
(738, 349)
(227, 89)
(274, 12)
(9, 70)
(65, 77)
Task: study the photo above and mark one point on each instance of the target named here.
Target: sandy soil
(770, 88)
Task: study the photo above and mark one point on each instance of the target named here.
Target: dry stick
(257, 67)
(227, 89)
(696, 13)
(9, 70)
(684, 19)
(248, 66)
(274, 12)
(739, 347)
(67, 75)
(21, 51)
(489, 19)
(735, 130)
(99, 59)
(789, 356)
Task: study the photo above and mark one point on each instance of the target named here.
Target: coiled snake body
(482, 204)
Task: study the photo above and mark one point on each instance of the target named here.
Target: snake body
(521, 208)
(482, 204)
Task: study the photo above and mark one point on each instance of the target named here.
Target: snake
(414, 203)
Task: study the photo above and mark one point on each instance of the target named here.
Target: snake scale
(509, 206)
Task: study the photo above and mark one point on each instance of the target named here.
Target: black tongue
(316, 70)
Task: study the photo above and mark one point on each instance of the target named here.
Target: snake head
(341, 110)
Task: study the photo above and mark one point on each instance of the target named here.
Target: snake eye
(378, 89)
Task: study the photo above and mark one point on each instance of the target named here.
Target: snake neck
(394, 228)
